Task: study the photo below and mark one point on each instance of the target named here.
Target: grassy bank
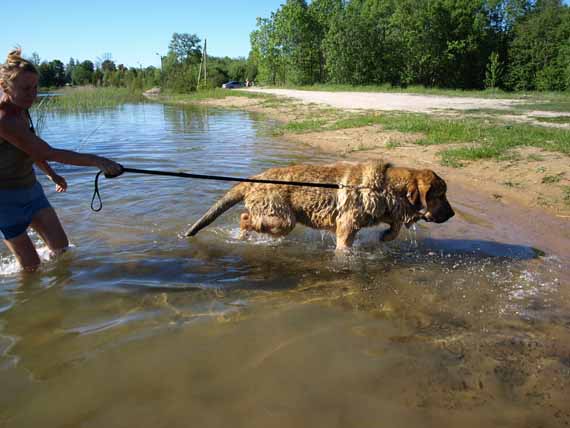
(474, 138)
(205, 94)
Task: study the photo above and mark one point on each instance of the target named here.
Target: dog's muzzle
(439, 217)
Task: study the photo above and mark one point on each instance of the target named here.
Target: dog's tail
(234, 196)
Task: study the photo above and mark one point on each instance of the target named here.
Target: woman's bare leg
(23, 249)
(47, 225)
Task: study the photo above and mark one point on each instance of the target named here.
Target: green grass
(486, 139)
(203, 94)
(478, 138)
(435, 130)
(550, 179)
(392, 145)
(566, 194)
(558, 106)
(549, 101)
(493, 111)
(85, 99)
(535, 158)
(331, 124)
(273, 101)
(557, 119)
(301, 127)
(355, 122)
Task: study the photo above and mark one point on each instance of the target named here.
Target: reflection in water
(135, 326)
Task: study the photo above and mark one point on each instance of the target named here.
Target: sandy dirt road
(389, 101)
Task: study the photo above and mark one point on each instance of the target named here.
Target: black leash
(97, 195)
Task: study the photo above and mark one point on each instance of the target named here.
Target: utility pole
(203, 64)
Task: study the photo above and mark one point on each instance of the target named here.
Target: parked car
(232, 84)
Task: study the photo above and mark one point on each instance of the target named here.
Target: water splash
(413, 236)
(10, 266)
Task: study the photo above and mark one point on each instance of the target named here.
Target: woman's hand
(109, 167)
(60, 183)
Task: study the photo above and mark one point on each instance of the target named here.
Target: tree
(58, 72)
(442, 43)
(357, 46)
(296, 31)
(108, 65)
(103, 58)
(266, 53)
(47, 76)
(52, 74)
(83, 73)
(537, 48)
(251, 68)
(324, 14)
(237, 69)
(494, 71)
(69, 70)
(186, 47)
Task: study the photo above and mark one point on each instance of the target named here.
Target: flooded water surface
(460, 324)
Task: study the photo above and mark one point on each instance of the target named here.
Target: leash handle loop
(97, 195)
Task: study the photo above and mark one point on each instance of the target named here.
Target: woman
(22, 200)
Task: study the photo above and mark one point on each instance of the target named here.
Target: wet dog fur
(373, 192)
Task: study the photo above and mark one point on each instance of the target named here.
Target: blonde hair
(13, 66)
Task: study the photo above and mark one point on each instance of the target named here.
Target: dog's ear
(417, 191)
(413, 193)
(423, 189)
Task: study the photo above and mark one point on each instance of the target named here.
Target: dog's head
(426, 193)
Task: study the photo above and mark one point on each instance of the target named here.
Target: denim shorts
(18, 207)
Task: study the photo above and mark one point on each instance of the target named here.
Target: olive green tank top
(16, 167)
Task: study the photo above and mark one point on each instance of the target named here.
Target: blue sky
(132, 31)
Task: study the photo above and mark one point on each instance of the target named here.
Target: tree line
(179, 70)
(469, 44)
(55, 73)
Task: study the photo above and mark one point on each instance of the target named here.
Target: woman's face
(23, 90)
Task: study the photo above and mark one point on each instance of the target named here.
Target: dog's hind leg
(263, 223)
(267, 213)
(244, 225)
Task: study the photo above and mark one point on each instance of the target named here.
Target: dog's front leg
(346, 231)
(391, 233)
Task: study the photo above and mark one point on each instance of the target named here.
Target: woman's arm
(16, 133)
(60, 183)
(44, 166)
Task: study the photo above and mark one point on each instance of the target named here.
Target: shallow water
(461, 323)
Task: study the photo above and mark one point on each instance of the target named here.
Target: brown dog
(374, 192)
